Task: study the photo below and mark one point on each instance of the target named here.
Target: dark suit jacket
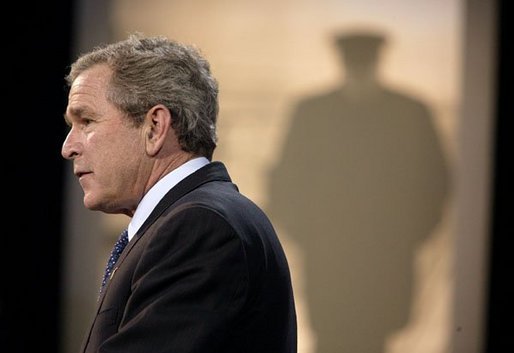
(205, 273)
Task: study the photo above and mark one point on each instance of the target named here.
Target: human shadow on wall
(360, 184)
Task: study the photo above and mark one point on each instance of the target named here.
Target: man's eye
(86, 121)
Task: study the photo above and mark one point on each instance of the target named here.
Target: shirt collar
(157, 192)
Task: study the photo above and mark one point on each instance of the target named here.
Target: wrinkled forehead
(94, 77)
(88, 92)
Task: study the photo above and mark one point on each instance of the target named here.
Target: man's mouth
(81, 174)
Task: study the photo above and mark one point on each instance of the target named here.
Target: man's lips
(80, 174)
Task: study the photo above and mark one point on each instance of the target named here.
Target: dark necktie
(115, 253)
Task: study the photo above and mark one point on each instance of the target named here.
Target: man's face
(107, 151)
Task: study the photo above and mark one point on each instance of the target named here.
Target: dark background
(499, 313)
(35, 53)
(36, 49)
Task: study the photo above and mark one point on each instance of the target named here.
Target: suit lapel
(214, 171)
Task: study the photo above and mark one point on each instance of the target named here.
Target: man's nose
(70, 147)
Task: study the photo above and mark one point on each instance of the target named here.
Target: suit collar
(214, 171)
(159, 189)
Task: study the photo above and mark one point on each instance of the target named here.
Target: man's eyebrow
(77, 112)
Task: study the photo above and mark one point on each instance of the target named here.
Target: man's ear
(157, 125)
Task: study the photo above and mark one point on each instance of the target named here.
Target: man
(203, 270)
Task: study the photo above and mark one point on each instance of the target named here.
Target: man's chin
(91, 204)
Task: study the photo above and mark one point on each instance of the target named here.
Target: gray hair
(147, 71)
